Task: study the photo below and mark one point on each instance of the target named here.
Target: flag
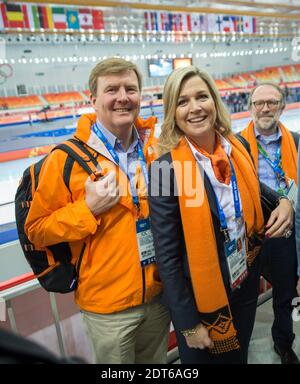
(45, 17)
(247, 24)
(254, 24)
(2, 26)
(72, 19)
(189, 23)
(219, 25)
(160, 21)
(33, 16)
(233, 26)
(196, 25)
(226, 25)
(168, 27)
(147, 18)
(186, 23)
(170, 17)
(239, 24)
(212, 25)
(85, 18)
(59, 18)
(154, 26)
(177, 22)
(98, 22)
(25, 17)
(203, 23)
(14, 15)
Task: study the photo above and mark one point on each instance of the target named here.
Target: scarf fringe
(225, 345)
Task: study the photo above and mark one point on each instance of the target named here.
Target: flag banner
(212, 25)
(170, 18)
(147, 18)
(45, 17)
(233, 26)
(168, 27)
(48, 11)
(25, 15)
(3, 20)
(247, 24)
(160, 21)
(98, 21)
(226, 24)
(33, 17)
(154, 26)
(203, 23)
(14, 15)
(219, 24)
(72, 19)
(239, 24)
(186, 22)
(196, 24)
(254, 30)
(59, 18)
(85, 18)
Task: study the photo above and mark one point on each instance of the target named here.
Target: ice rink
(40, 134)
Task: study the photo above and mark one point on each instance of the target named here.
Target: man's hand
(298, 286)
(103, 194)
(281, 219)
(200, 339)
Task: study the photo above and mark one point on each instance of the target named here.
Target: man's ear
(92, 100)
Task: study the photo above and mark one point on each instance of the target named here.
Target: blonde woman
(204, 198)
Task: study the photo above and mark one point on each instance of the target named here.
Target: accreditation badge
(145, 242)
(292, 192)
(235, 251)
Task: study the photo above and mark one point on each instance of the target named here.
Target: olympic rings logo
(6, 71)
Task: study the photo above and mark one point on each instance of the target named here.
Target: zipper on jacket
(144, 285)
(78, 264)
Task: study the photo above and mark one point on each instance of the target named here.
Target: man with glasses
(274, 151)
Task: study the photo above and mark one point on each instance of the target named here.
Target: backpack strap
(245, 144)
(77, 152)
(296, 138)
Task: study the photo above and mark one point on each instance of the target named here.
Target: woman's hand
(281, 220)
(200, 339)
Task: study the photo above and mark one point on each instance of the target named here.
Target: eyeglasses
(271, 104)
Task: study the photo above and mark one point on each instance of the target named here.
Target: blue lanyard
(274, 164)
(236, 199)
(115, 156)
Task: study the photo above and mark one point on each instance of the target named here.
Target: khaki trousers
(138, 335)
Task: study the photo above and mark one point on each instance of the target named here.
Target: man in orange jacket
(106, 222)
(275, 155)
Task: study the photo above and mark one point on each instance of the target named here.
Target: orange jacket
(110, 276)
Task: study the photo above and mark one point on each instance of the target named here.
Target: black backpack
(62, 275)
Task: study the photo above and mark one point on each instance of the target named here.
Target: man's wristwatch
(189, 332)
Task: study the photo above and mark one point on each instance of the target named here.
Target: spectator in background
(275, 155)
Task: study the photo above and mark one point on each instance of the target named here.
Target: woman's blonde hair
(170, 132)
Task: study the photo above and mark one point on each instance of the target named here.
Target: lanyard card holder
(145, 242)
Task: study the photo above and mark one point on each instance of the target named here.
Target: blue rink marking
(8, 232)
(51, 133)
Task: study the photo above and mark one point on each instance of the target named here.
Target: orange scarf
(288, 149)
(208, 287)
(219, 161)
